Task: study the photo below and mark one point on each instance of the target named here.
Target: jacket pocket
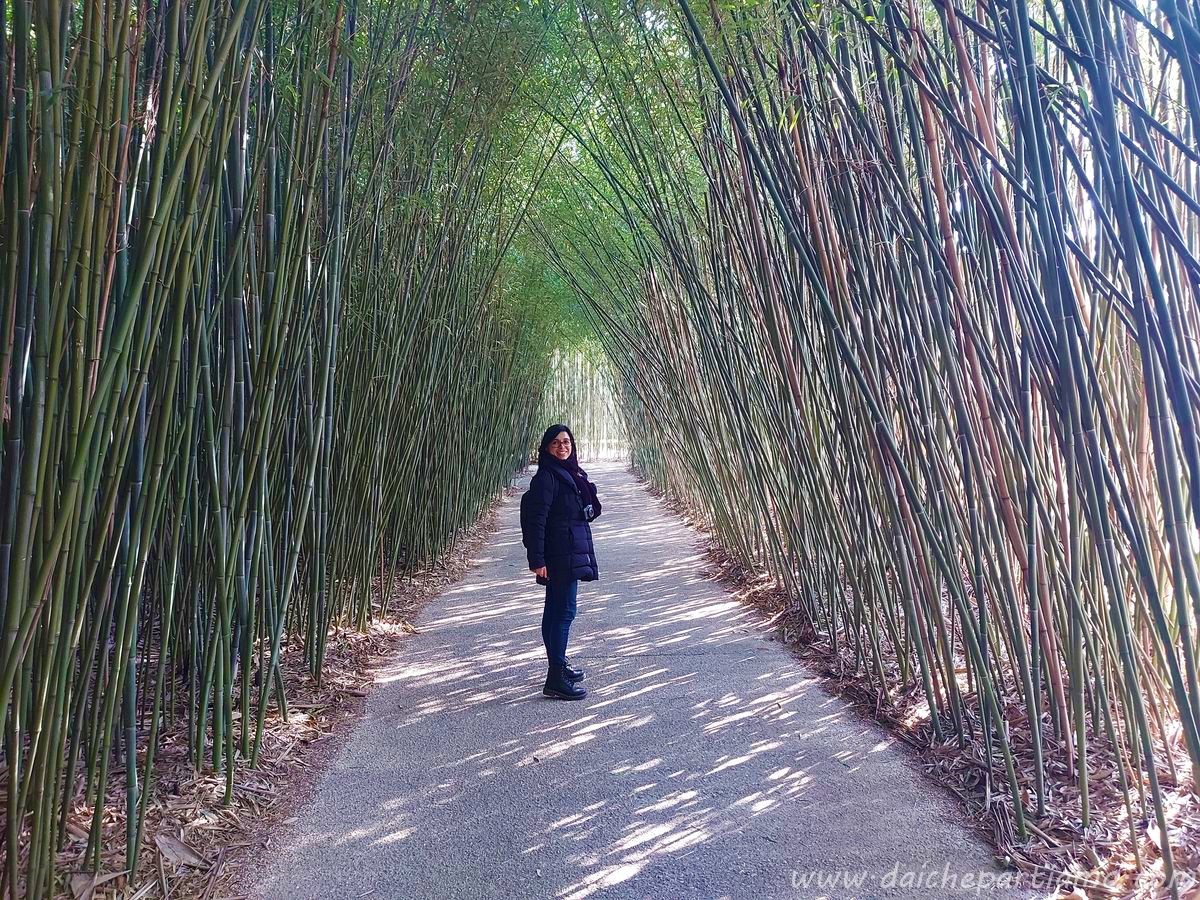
(581, 538)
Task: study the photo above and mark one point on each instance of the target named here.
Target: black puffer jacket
(553, 527)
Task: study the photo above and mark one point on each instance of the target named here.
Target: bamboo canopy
(243, 328)
(904, 301)
(901, 298)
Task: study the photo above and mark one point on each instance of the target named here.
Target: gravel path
(705, 762)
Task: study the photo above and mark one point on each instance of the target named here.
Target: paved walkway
(705, 762)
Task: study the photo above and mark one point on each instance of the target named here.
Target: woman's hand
(540, 571)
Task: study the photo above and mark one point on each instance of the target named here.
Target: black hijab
(570, 465)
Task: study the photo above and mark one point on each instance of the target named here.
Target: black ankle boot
(572, 674)
(558, 686)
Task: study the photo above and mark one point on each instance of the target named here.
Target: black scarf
(587, 490)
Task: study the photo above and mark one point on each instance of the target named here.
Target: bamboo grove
(257, 359)
(904, 295)
(580, 391)
(901, 295)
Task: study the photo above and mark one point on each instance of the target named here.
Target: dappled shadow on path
(703, 762)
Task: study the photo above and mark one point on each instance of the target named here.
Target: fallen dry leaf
(177, 852)
(84, 884)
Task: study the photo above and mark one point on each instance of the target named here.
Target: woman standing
(555, 513)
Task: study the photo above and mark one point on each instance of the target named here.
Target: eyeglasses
(564, 442)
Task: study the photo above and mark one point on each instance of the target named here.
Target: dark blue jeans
(557, 617)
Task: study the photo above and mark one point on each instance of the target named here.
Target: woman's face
(560, 446)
